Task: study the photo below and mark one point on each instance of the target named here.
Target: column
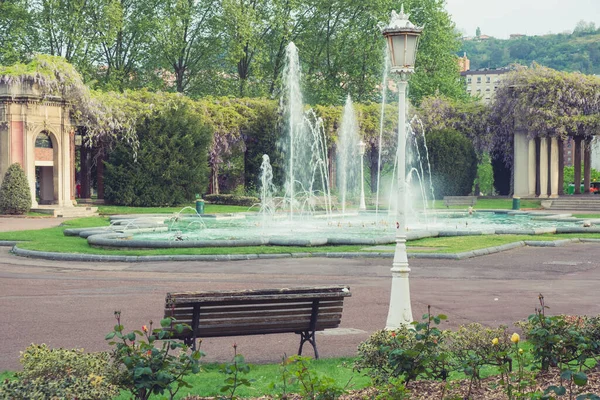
(587, 164)
(543, 168)
(577, 163)
(554, 168)
(561, 167)
(520, 164)
(531, 168)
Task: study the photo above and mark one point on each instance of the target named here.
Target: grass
(492, 204)
(268, 379)
(459, 244)
(53, 240)
(586, 215)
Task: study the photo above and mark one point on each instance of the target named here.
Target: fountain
(307, 172)
(305, 216)
(348, 155)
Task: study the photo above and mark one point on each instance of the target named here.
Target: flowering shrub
(145, 369)
(410, 353)
(61, 373)
(474, 346)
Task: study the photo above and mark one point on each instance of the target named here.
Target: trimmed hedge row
(231, 200)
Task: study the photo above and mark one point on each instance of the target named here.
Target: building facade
(36, 132)
(483, 83)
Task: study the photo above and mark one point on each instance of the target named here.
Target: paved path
(25, 223)
(70, 304)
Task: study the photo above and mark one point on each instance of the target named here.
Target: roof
(498, 71)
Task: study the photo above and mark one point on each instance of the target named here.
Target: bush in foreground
(15, 195)
(61, 374)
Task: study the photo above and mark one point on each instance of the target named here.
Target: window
(43, 141)
(478, 79)
(469, 80)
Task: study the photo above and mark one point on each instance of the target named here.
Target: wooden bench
(302, 310)
(460, 201)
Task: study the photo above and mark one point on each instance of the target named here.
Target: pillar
(520, 164)
(543, 168)
(577, 163)
(531, 159)
(554, 167)
(85, 167)
(587, 164)
(561, 167)
(100, 175)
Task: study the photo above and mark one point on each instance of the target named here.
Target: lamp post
(361, 152)
(402, 40)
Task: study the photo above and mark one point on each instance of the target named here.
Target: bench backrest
(460, 200)
(251, 312)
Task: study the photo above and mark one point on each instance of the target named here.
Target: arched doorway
(46, 182)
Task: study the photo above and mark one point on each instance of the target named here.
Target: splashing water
(348, 155)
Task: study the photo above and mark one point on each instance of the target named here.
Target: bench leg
(308, 336)
(190, 342)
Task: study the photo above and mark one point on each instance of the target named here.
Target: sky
(500, 18)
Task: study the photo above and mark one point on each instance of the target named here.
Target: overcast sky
(500, 18)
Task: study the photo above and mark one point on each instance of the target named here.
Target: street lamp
(361, 151)
(402, 40)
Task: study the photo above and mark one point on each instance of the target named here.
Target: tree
(124, 29)
(453, 163)
(171, 165)
(15, 31)
(478, 32)
(66, 29)
(246, 23)
(436, 69)
(15, 195)
(187, 40)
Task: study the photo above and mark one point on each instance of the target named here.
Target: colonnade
(538, 165)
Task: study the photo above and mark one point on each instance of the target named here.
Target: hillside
(579, 51)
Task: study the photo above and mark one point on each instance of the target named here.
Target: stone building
(36, 132)
(484, 82)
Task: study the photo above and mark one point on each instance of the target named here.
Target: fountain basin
(368, 229)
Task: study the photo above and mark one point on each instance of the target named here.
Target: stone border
(238, 257)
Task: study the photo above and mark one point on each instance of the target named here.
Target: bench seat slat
(251, 308)
(238, 314)
(235, 330)
(264, 319)
(177, 302)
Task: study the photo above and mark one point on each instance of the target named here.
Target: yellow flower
(515, 338)
(495, 341)
(95, 380)
(520, 351)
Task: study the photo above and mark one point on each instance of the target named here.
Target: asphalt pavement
(71, 304)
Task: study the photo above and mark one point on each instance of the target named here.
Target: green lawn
(268, 379)
(52, 239)
(493, 204)
(586, 215)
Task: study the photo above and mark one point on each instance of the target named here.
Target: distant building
(484, 37)
(516, 35)
(464, 64)
(484, 82)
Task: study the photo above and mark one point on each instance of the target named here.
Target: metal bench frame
(302, 300)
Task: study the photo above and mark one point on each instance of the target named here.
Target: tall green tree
(125, 29)
(15, 32)
(436, 68)
(66, 29)
(246, 24)
(187, 40)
